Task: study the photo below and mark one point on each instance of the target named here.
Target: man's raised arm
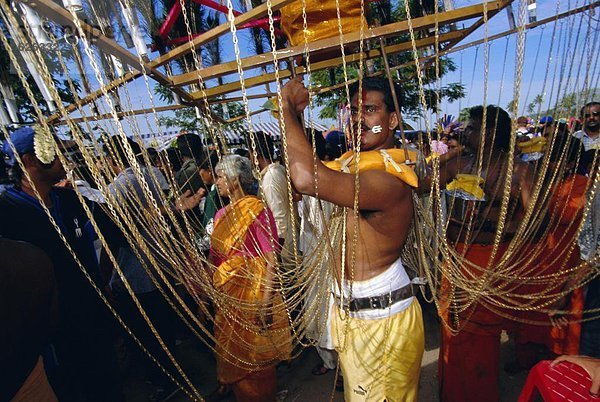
(378, 190)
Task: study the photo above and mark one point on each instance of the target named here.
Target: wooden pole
(395, 98)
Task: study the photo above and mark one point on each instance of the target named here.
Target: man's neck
(236, 194)
(387, 145)
(592, 134)
(263, 163)
(42, 188)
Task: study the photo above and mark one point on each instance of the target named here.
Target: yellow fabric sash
(391, 161)
(536, 144)
(469, 183)
(229, 234)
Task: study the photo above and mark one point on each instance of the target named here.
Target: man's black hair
(174, 159)
(320, 145)
(498, 119)
(569, 146)
(153, 155)
(264, 145)
(458, 137)
(242, 152)
(377, 84)
(209, 161)
(115, 148)
(589, 104)
(190, 146)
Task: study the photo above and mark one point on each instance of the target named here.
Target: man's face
(376, 121)
(452, 144)
(206, 176)
(591, 118)
(52, 172)
(473, 133)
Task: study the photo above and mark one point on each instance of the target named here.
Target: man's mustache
(365, 128)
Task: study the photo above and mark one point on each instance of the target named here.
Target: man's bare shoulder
(394, 186)
(456, 166)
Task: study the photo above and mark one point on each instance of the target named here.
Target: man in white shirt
(274, 189)
(590, 133)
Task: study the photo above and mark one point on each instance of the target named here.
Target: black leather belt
(381, 301)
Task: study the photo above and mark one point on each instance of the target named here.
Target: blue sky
(470, 64)
(538, 46)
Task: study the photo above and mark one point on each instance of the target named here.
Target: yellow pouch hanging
(536, 144)
(321, 19)
(468, 183)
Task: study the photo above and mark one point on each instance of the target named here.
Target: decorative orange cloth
(565, 212)
(390, 160)
(244, 346)
(566, 209)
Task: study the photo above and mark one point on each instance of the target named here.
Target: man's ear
(394, 120)
(30, 160)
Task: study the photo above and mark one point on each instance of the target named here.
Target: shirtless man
(469, 360)
(378, 360)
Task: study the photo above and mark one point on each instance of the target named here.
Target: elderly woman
(251, 326)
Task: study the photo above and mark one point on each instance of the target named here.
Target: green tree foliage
(187, 119)
(201, 20)
(10, 78)
(535, 104)
(463, 116)
(570, 104)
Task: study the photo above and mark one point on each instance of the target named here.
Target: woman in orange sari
(558, 257)
(251, 326)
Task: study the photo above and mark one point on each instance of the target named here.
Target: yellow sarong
(381, 358)
(244, 345)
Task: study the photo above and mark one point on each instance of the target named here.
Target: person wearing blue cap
(335, 145)
(85, 363)
(545, 127)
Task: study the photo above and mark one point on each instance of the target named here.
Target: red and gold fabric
(245, 345)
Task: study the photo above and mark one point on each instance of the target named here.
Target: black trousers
(165, 322)
(87, 368)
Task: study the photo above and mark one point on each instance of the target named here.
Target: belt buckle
(375, 303)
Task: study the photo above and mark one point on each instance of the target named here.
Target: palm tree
(537, 101)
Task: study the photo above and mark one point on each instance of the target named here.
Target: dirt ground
(297, 384)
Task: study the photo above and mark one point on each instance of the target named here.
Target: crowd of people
(240, 210)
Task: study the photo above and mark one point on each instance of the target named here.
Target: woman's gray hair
(237, 167)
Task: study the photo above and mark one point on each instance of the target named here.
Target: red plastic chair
(564, 382)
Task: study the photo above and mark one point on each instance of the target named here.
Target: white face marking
(376, 129)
